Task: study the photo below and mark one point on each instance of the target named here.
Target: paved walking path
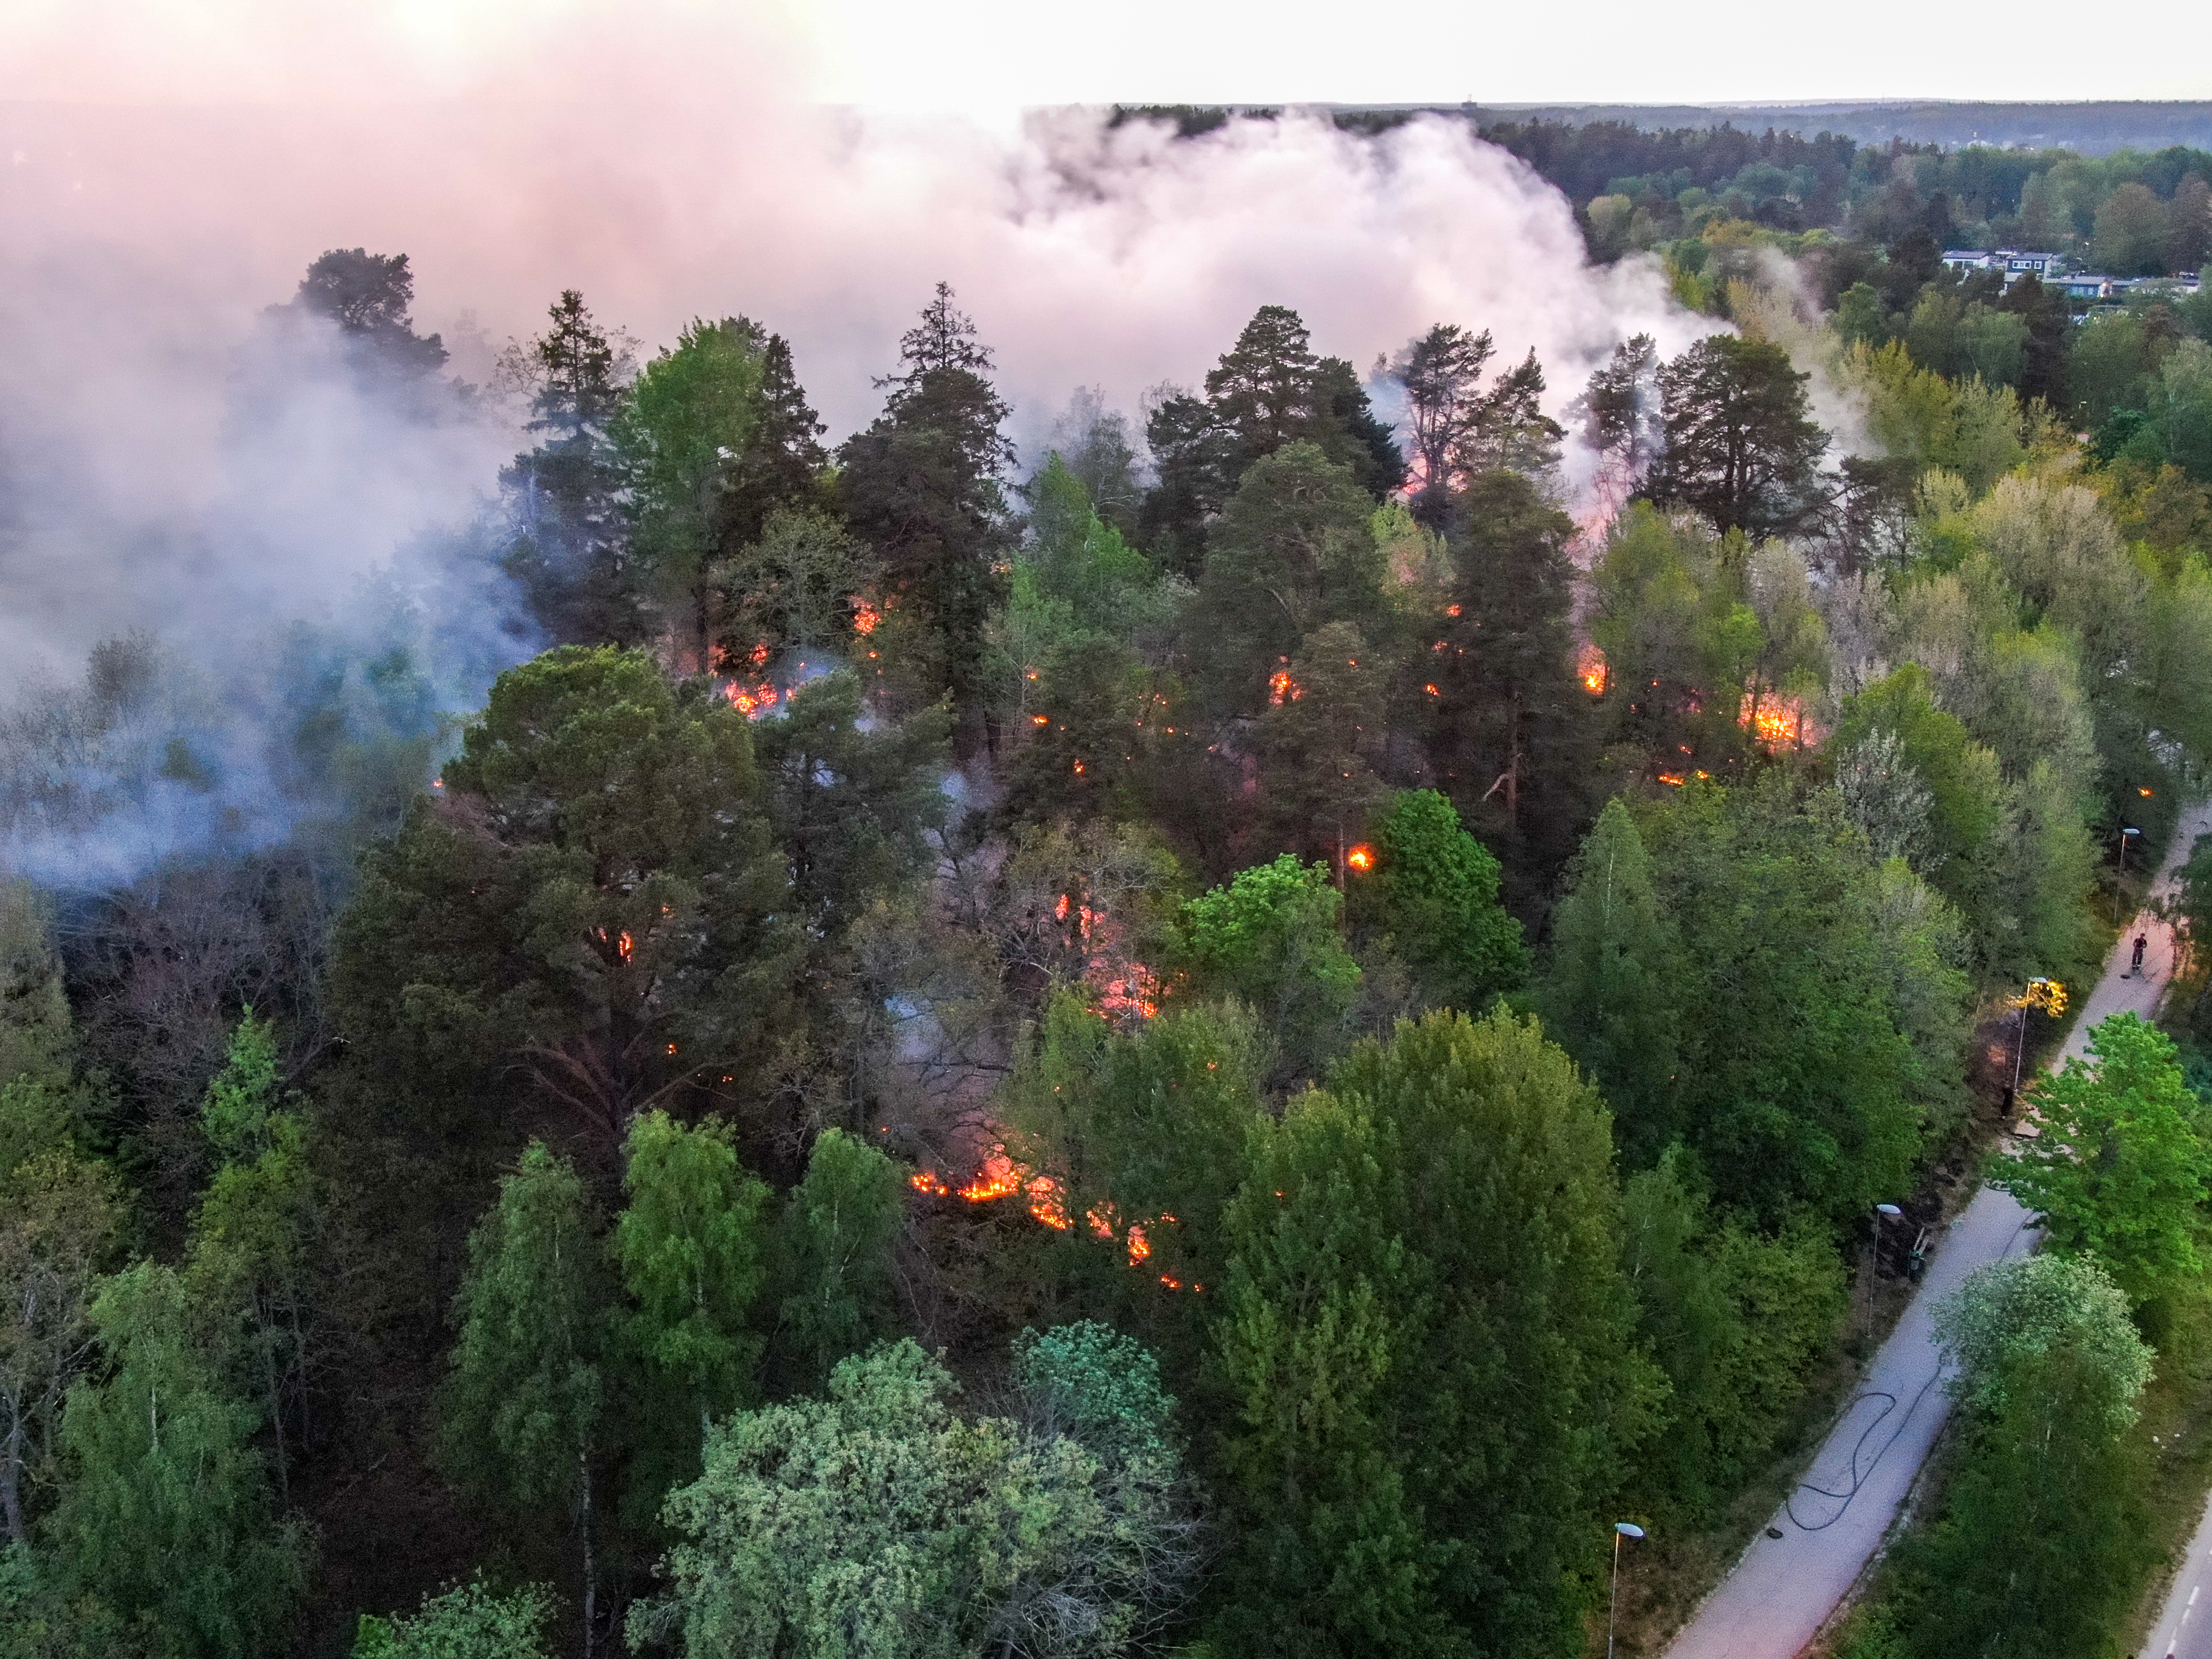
(1782, 1588)
(2184, 1629)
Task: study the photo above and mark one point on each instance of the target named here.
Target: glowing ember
(1040, 719)
(624, 946)
(1139, 1246)
(1136, 992)
(865, 616)
(1589, 668)
(1281, 687)
(1432, 691)
(1672, 779)
(1361, 857)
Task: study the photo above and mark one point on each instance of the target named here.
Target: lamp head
(1628, 1529)
(1888, 1209)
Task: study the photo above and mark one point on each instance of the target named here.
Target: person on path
(2141, 940)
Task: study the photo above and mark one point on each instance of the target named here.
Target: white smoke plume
(659, 167)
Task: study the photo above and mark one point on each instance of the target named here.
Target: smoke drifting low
(160, 469)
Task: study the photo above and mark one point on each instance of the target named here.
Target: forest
(1229, 1036)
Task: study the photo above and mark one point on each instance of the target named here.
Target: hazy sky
(981, 57)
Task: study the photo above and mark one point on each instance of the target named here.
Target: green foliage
(876, 1522)
(853, 800)
(1294, 549)
(1510, 731)
(1734, 1318)
(523, 1398)
(2121, 1165)
(165, 1518)
(248, 1272)
(234, 1113)
(59, 1215)
(691, 1246)
(1270, 938)
(692, 411)
(569, 551)
(1741, 444)
(467, 1621)
(2010, 1319)
(1314, 743)
(1426, 1338)
(1081, 561)
(1150, 1126)
(924, 486)
(790, 590)
(1805, 1076)
(833, 1245)
(35, 1037)
(1103, 1386)
(592, 898)
(1612, 998)
(2041, 1543)
(1436, 898)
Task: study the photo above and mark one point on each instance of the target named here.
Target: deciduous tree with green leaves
(248, 1271)
(833, 1247)
(165, 1520)
(1270, 940)
(1436, 898)
(468, 1621)
(1428, 1342)
(2121, 1165)
(1612, 997)
(879, 1523)
(691, 1247)
(521, 1407)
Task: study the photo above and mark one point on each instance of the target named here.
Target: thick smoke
(159, 470)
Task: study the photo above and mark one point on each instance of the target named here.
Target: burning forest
(1235, 842)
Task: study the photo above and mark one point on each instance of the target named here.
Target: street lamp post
(1620, 1529)
(1881, 1213)
(2128, 832)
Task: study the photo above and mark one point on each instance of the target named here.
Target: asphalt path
(2184, 1629)
(1814, 1548)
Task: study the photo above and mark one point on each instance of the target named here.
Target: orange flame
(865, 616)
(1361, 857)
(749, 700)
(1281, 687)
(1589, 668)
(1672, 779)
(1779, 721)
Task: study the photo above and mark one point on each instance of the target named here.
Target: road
(1814, 1547)
(2184, 1629)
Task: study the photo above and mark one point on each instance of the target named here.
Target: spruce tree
(570, 548)
(925, 486)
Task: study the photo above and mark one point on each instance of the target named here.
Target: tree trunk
(591, 1570)
(11, 1475)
